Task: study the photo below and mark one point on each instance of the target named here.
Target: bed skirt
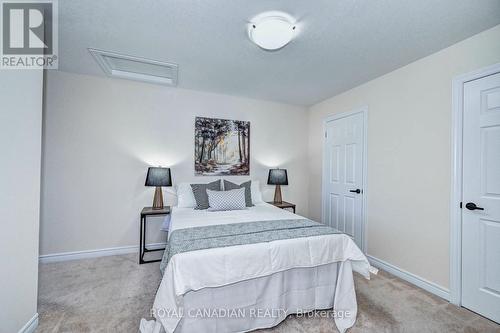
(266, 301)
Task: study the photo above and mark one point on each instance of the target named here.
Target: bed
(253, 284)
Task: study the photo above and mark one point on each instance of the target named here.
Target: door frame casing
(456, 177)
(364, 111)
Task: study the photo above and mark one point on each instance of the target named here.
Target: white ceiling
(341, 44)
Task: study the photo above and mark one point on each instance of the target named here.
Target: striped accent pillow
(248, 192)
(200, 193)
(226, 200)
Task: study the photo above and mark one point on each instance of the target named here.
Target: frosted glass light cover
(272, 31)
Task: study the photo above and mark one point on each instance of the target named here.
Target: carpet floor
(112, 294)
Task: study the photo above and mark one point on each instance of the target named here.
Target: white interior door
(343, 175)
(481, 197)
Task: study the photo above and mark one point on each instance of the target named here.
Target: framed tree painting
(221, 147)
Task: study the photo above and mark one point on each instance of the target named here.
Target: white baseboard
(31, 325)
(112, 251)
(410, 277)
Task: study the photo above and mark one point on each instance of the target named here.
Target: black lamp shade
(158, 177)
(277, 177)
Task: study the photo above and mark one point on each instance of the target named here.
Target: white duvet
(188, 217)
(210, 268)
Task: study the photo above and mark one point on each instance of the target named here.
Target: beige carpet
(111, 294)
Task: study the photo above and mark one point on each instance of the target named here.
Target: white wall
(20, 158)
(102, 134)
(409, 155)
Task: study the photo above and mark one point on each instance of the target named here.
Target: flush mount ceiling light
(272, 30)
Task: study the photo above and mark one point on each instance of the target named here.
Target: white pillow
(256, 193)
(226, 200)
(185, 196)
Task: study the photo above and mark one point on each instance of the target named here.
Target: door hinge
(326, 135)
(460, 204)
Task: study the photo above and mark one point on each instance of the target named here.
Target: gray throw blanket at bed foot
(223, 235)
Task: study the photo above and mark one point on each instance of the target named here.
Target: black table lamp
(277, 177)
(158, 177)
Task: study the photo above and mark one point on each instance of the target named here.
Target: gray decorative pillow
(200, 193)
(226, 200)
(248, 192)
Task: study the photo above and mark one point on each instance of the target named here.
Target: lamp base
(158, 199)
(277, 194)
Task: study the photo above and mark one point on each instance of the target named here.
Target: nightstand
(283, 205)
(149, 211)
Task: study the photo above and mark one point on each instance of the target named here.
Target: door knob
(472, 206)
(358, 191)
